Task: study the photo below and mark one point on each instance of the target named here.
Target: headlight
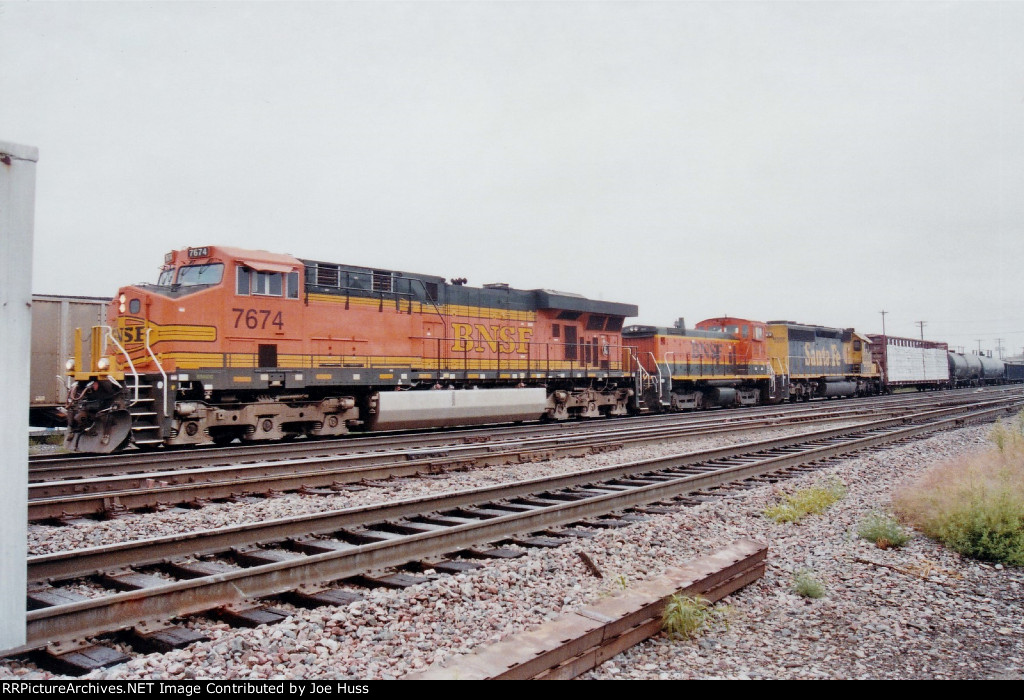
(103, 365)
(70, 365)
(120, 307)
(122, 298)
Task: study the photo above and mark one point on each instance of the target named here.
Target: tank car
(964, 369)
(817, 361)
(910, 363)
(240, 344)
(993, 371)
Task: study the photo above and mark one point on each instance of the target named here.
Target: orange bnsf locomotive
(237, 344)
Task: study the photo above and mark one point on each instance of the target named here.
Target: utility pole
(979, 345)
(999, 347)
(883, 320)
(922, 325)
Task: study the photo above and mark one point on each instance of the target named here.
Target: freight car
(974, 370)
(54, 320)
(238, 344)
(1014, 371)
(911, 363)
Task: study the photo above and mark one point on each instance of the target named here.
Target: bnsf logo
(478, 337)
(131, 335)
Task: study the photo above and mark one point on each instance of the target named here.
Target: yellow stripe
(418, 307)
(197, 360)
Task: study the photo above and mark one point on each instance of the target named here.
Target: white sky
(817, 162)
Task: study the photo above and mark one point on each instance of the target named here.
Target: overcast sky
(818, 162)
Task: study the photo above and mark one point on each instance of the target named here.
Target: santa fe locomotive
(240, 344)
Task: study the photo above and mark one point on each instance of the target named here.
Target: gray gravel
(932, 615)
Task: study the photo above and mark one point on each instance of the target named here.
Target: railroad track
(304, 555)
(63, 467)
(61, 500)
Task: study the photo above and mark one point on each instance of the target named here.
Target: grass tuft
(684, 617)
(975, 504)
(883, 530)
(810, 501)
(807, 585)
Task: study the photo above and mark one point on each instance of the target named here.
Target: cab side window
(244, 283)
(267, 284)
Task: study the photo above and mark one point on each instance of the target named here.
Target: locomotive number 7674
(258, 318)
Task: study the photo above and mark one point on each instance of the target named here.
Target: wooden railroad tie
(579, 641)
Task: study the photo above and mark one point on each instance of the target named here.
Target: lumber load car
(911, 363)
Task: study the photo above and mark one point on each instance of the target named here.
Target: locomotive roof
(487, 295)
(507, 295)
(646, 331)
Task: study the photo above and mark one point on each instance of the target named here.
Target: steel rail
(124, 610)
(154, 490)
(49, 500)
(79, 563)
(45, 467)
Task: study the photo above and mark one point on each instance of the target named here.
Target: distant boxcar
(54, 320)
(1014, 371)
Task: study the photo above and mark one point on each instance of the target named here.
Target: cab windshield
(193, 275)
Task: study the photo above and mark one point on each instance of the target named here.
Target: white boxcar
(910, 362)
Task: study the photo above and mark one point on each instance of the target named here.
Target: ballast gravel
(917, 612)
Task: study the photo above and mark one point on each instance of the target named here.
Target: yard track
(267, 559)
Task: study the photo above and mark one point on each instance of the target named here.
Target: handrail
(160, 367)
(657, 367)
(110, 336)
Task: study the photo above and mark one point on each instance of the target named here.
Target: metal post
(17, 214)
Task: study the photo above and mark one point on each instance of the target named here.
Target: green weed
(883, 530)
(810, 501)
(684, 617)
(975, 504)
(807, 585)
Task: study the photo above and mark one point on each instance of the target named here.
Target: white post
(17, 214)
